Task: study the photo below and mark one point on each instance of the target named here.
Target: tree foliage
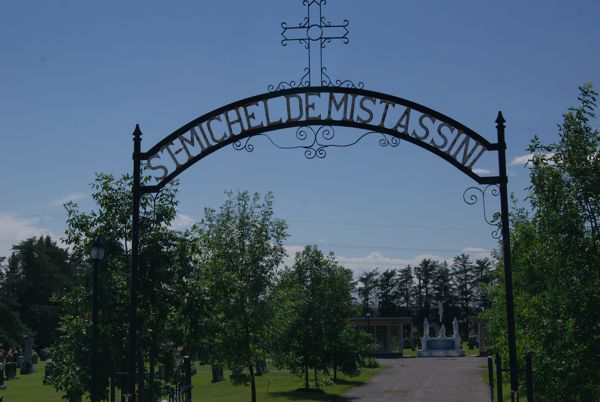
(314, 300)
(241, 246)
(556, 260)
(38, 270)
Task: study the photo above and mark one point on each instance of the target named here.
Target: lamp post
(96, 254)
(369, 322)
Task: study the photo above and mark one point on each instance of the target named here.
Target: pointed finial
(137, 133)
(500, 119)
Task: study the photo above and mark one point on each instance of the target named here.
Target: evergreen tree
(406, 291)
(388, 293)
(38, 270)
(367, 291)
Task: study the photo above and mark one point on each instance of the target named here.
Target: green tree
(463, 277)
(315, 298)
(484, 280)
(367, 291)
(11, 326)
(556, 255)
(162, 270)
(37, 270)
(424, 275)
(388, 295)
(406, 291)
(241, 247)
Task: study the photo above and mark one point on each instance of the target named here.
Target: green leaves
(556, 257)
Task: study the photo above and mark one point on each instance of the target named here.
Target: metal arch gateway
(316, 100)
(325, 107)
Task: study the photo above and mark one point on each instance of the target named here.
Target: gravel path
(431, 379)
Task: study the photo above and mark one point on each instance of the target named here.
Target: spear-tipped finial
(500, 119)
(137, 133)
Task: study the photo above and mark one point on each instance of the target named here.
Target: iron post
(94, 386)
(510, 310)
(490, 364)
(499, 377)
(135, 245)
(529, 377)
(96, 254)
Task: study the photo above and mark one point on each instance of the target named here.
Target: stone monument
(441, 345)
(27, 367)
(2, 386)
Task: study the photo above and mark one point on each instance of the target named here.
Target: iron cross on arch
(314, 32)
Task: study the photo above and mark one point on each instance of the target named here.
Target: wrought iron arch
(343, 107)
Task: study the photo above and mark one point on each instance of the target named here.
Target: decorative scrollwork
(315, 35)
(472, 195)
(326, 81)
(302, 82)
(243, 144)
(315, 141)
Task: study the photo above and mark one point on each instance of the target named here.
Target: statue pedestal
(445, 346)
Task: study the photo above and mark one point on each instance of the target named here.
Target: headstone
(11, 370)
(2, 386)
(217, 373)
(20, 360)
(27, 366)
(481, 338)
(238, 376)
(261, 367)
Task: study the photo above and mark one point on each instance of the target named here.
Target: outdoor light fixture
(97, 250)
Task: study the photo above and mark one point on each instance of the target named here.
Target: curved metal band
(319, 122)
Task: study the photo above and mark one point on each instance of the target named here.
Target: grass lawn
(281, 385)
(29, 388)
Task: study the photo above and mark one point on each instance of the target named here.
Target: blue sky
(76, 76)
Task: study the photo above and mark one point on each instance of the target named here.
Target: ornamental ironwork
(315, 140)
(315, 111)
(474, 195)
(314, 33)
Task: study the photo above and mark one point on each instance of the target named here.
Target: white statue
(441, 308)
(442, 333)
(455, 327)
(425, 328)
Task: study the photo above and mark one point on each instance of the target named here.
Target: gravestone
(27, 366)
(11, 370)
(217, 373)
(261, 367)
(2, 386)
(20, 360)
(238, 376)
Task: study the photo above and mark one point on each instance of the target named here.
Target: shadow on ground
(317, 394)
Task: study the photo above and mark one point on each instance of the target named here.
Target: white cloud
(182, 221)
(525, 159)
(376, 259)
(71, 197)
(477, 253)
(480, 171)
(13, 230)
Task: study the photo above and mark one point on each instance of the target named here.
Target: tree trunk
(252, 382)
(316, 378)
(306, 384)
(334, 372)
(151, 377)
